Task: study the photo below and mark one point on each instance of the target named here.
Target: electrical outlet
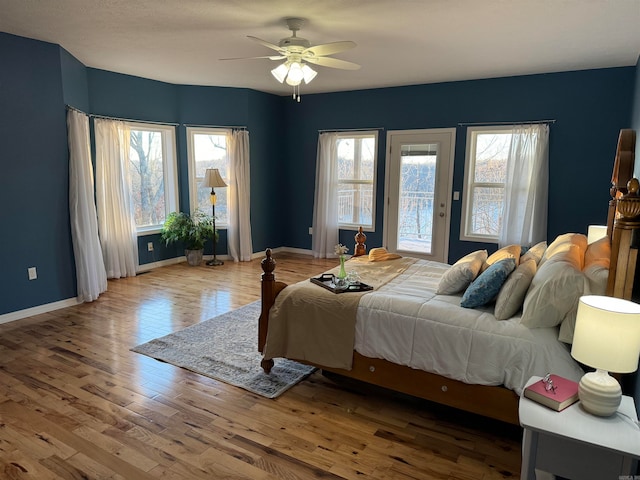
(150, 247)
(310, 230)
(456, 195)
(33, 274)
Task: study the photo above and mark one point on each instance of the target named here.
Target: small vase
(343, 273)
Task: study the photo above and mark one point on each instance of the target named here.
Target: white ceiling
(400, 42)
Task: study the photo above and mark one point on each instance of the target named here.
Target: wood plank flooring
(75, 403)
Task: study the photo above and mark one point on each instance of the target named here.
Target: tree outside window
(152, 174)
(356, 157)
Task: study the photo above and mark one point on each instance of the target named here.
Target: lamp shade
(212, 179)
(309, 73)
(280, 72)
(607, 334)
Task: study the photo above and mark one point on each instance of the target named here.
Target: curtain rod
(69, 107)
(242, 127)
(107, 117)
(488, 124)
(350, 129)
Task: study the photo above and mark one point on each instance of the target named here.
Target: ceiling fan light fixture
(280, 72)
(296, 74)
(308, 73)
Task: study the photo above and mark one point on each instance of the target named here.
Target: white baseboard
(30, 312)
(301, 251)
(162, 263)
(49, 307)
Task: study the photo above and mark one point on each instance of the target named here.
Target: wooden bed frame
(491, 401)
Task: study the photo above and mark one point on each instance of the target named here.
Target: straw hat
(379, 254)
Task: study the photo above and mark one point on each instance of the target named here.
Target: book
(557, 395)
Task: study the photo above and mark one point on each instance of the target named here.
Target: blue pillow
(485, 288)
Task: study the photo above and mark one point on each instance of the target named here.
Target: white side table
(576, 444)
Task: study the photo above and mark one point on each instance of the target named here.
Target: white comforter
(405, 322)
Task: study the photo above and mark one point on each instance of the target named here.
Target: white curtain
(325, 207)
(90, 273)
(239, 232)
(524, 220)
(115, 212)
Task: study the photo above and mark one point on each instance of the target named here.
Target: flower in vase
(341, 249)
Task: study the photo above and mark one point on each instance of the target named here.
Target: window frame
(194, 181)
(169, 169)
(372, 182)
(470, 184)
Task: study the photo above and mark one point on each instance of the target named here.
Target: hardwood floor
(75, 403)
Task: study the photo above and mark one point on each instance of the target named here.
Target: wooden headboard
(623, 221)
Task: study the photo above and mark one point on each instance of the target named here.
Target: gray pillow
(511, 296)
(462, 273)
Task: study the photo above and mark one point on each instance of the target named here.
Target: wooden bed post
(622, 173)
(624, 247)
(360, 248)
(270, 290)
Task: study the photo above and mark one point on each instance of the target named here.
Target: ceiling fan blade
(266, 44)
(270, 57)
(332, 63)
(329, 48)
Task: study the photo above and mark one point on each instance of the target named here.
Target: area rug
(225, 348)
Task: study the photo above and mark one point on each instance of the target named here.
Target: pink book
(553, 391)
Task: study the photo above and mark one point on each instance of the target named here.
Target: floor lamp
(213, 179)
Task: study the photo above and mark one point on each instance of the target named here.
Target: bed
(411, 334)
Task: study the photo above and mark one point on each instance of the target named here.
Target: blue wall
(34, 183)
(589, 109)
(38, 79)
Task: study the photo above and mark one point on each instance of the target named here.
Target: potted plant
(191, 230)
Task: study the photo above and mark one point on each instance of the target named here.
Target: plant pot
(194, 257)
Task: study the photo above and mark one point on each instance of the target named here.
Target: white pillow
(510, 251)
(536, 252)
(512, 294)
(565, 242)
(554, 292)
(598, 252)
(596, 278)
(462, 273)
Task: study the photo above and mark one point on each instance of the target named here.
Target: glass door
(418, 186)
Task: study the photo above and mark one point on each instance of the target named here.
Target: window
(152, 174)
(506, 173)
(356, 174)
(207, 148)
(486, 173)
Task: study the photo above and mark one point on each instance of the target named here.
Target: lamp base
(214, 262)
(599, 393)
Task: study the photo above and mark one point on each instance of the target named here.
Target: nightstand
(578, 445)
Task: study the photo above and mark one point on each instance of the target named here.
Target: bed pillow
(511, 296)
(596, 277)
(485, 288)
(598, 251)
(510, 251)
(536, 252)
(565, 242)
(462, 273)
(554, 292)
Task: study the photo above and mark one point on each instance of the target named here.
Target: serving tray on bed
(327, 280)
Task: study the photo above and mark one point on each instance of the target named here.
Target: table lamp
(213, 179)
(607, 338)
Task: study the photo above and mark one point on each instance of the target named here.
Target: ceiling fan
(297, 53)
